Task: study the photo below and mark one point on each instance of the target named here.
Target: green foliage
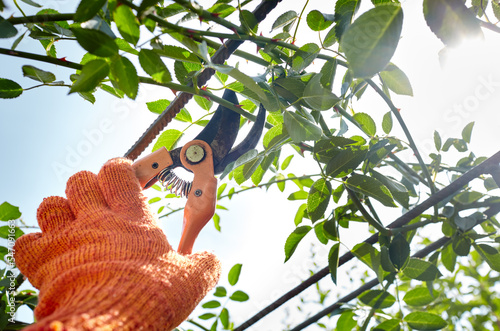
(348, 171)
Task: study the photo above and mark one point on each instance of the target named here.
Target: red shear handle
(200, 206)
(147, 168)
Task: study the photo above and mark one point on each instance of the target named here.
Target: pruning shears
(205, 156)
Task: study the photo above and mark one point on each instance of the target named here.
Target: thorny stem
(40, 18)
(413, 146)
(298, 22)
(365, 213)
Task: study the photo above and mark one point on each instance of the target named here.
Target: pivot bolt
(197, 193)
(195, 154)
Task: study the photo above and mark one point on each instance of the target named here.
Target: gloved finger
(121, 187)
(54, 214)
(25, 256)
(84, 194)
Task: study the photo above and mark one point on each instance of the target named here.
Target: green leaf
(299, 128)
(451, 21)
(367, 254)
(461, 245)
(234, 274)
(496, 9)
(224, 318)
(371, 187)
(387, 122)
(7, 232)
(93, 72)
(167, 139)
(153, 200)
(203, 102)
(489, 254)
(318, 198)
(317, 21)
(38, 74)
(88, 9)
(285, 20)
(294, 239)
(437, 141)
(370, 42)
(239, 296)
(385, 260)
(333, 261)
(316, 96)
(286, 162)
(244, 172)
(158, 106)
(330, 38)
(274, 137)
(344, 13)
(399, 191)
(211, 304)
(299, 215)
(345, 162)
(399, 251)
(421, 270)
(96, 42)
(7, 30)
(425, 321)
(467, 132)
(396, 80)
(330, 229)
(389, 325)
(220, 292)
(448, 257)
(9, 89)
(248, 21)
(299, 195)
(9, 212)
(346, 321)
(206, 316)
(124, 76)
(377, 298)
(304, 56)
(127, 24)
(178, 53)
(367, 123)
(154, 66)
(419, 296)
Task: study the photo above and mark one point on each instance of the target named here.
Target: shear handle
(148, 167)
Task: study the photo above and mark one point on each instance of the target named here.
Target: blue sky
(46, 135)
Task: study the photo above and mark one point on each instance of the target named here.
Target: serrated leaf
(127, 24)
(275, 136)
(490, 255)
(88, 9)
(304, 56)
(399, 251)
(396, 80)
(92, 73)
(317, 21)
(284, 20)
(244, 172)
(234, 274)
(387, 122)
(367, 123)
(178, 53)
(425, 321)
(370, 42)
(158, 106)
(38, 74)
(389, 325)
(96, 42)
(344, 13)
(421, 270)
(167, 139)
(371, 187)
(299, 128)
(344, 162)
(124, 76)
(377, 298)
(318, 199)
(346, 321)
(294, 239)
(154, 66)
(9, 89)
(451, 21)
(9, 212)
(333, 261)
(419, 296)
(316, 96)
(203, 102)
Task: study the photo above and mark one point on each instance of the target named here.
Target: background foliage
(354, 169)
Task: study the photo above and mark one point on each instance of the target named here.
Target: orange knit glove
(103, 263)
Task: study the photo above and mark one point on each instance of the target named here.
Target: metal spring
(175, 184)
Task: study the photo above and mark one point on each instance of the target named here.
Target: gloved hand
(103, 263)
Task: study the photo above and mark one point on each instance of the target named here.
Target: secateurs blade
(208, 154)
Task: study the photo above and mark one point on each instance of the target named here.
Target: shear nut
(195, 154)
